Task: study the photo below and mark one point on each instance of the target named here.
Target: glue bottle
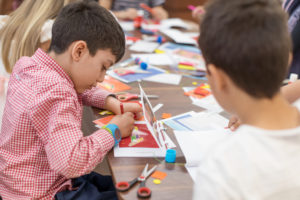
(137, 22)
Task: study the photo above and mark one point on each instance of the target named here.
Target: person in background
(7, 6)
(22, 32)
(128, 9)
(16, 4)
(292, 7)
(198, 12)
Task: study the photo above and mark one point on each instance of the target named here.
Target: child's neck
(62, 60)
(275, 113)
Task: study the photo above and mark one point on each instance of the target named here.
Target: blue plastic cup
(170, 156)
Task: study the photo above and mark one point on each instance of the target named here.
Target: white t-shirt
(254, 164)
(46, 34)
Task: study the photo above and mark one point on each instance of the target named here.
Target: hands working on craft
(124, 119)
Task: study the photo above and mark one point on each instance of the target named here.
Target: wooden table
(178, 184)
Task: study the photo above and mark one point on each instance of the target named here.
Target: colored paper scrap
(159, 175)
(166, 115)
(112, 85)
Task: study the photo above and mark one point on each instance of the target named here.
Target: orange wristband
(121, 108)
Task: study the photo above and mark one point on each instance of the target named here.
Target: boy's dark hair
(249, 41)
(87, 21)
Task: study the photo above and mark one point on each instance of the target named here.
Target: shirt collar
(43, 58)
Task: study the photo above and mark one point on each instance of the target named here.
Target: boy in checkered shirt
(43, 153)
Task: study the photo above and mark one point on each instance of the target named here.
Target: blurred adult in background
(128, 9)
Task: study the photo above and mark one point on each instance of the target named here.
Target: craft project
(148, 138)
(112, 85)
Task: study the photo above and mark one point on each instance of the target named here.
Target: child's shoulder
(43, 78)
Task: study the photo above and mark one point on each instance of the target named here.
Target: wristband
(114, 131)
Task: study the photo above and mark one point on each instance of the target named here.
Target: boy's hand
(114, 105)
(234, 123)
(134, 108)
(125, 123)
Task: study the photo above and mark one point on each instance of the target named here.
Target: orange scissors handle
(143, 191)
(125, 185)
(127, 97)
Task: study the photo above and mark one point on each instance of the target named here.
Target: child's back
(246, 46)
(17, 130)
(253, 164)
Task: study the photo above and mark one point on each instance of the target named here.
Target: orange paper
(159, 175)
(166, 115)
(112, 85)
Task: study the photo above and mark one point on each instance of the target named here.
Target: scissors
(125, 96)
(143, 191)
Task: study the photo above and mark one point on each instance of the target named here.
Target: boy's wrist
(121, 108)
(112, 104)
(114, 130)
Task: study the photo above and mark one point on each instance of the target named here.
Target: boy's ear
(218, 77)
(79, 48)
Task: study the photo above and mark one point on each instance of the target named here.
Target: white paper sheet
(127, 25)
(205, 121)
(174, 124)
(209, 102)
(173, 22)
(192, 171)
(178, 36)
(202, 121)
(173, 79)
(155, 59)
(195, 145)
(135, 67)
(144, 46)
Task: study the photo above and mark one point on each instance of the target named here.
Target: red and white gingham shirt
(41, 143)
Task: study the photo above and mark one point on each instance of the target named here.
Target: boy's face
(89, 70)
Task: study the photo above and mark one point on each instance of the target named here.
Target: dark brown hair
(249, 41)
(87, 21)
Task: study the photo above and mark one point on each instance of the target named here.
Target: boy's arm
(102, 99)
(95, 97)
(57, 121)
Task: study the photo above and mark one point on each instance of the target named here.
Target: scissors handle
(125, 185)
(143, 191)
(127, 97)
